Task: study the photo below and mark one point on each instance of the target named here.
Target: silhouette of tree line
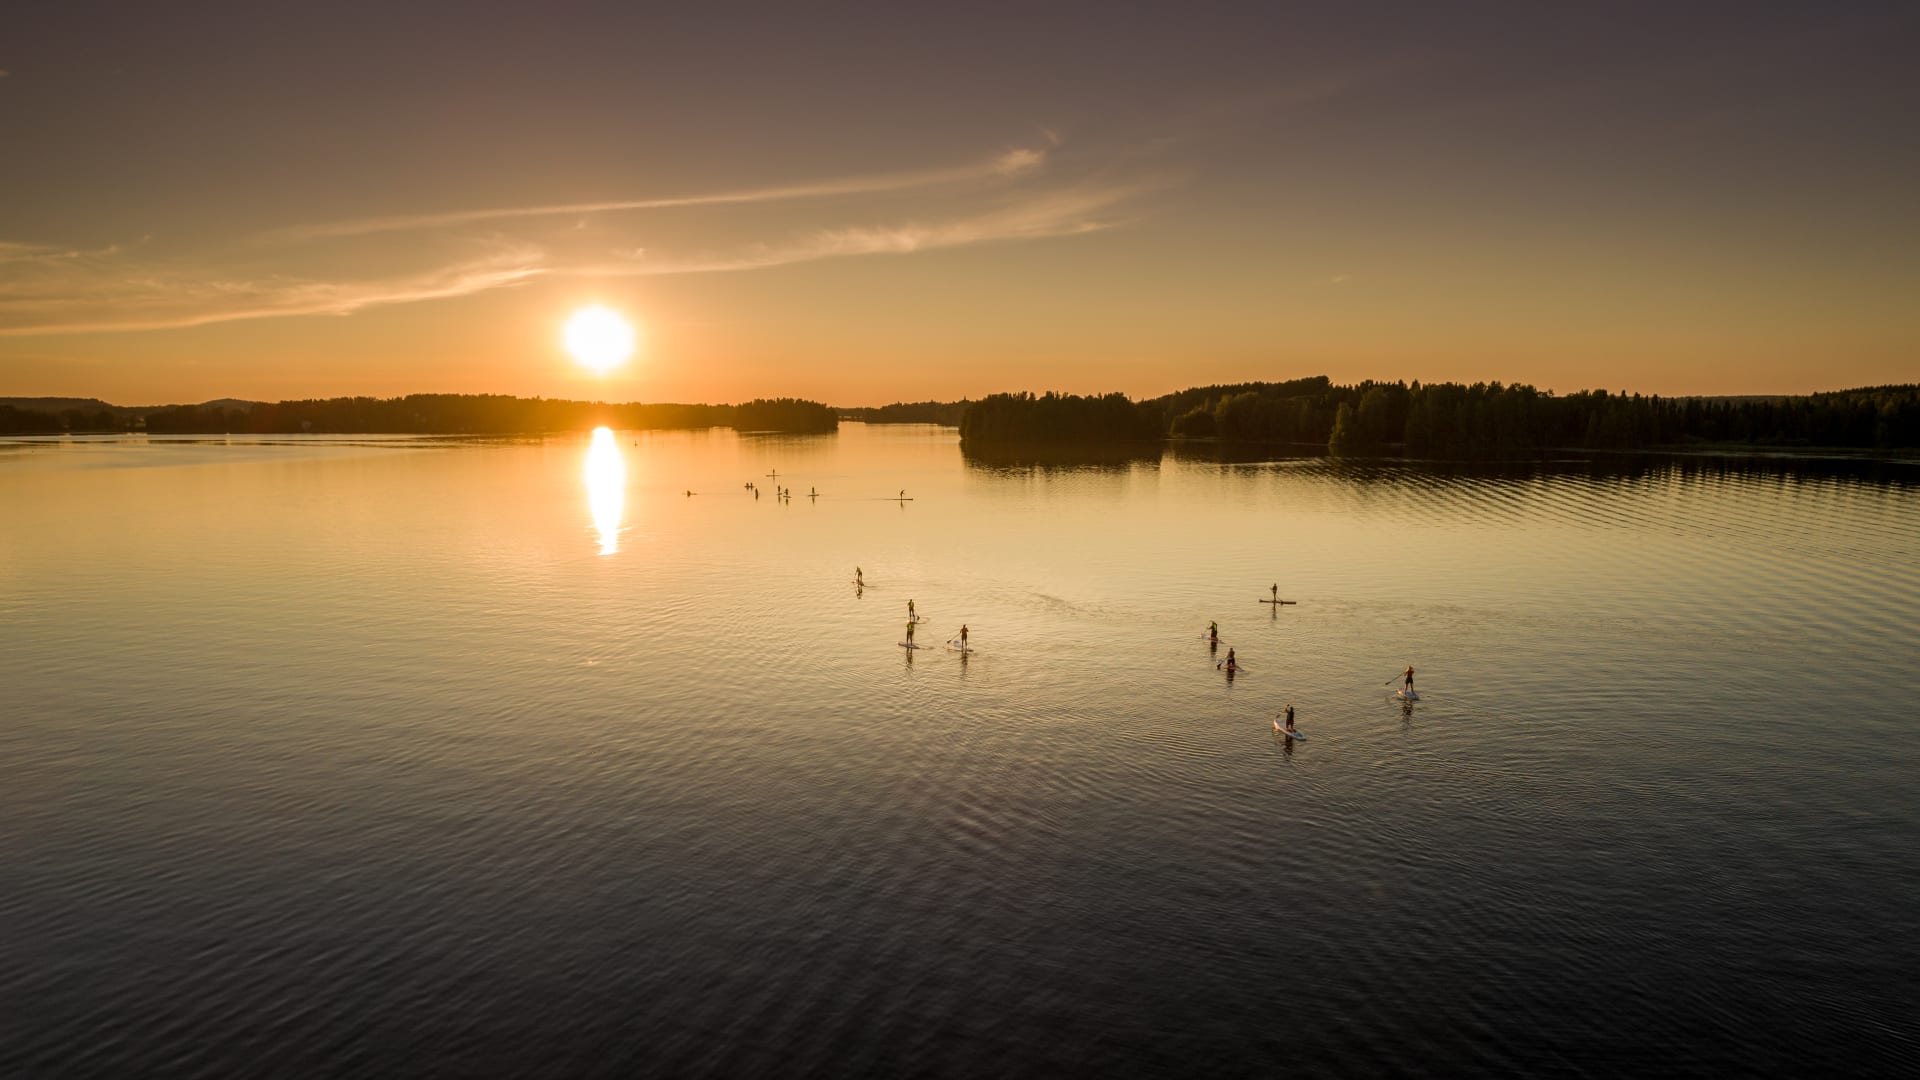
(474, 414)
(1454, 420)
(918, 412)
(18, 421)
(1442, 420)
(1054, 417)
(785, 414)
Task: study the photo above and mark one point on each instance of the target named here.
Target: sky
(871, 204)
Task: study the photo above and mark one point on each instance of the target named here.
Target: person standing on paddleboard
(909, 635)
(857, 576)
(963, 636)
(910, 615)
(1289, 727)
(1231, 662)
(1213, 632)
(1409, 678)
(1276, 592)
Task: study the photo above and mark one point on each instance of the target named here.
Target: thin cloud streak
(1011, 163)
(233, 301)
(1070, 213)
(46, 290)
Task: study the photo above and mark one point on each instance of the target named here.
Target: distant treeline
(424, 414)
(1452, 420)
(784, 414)
(1045, 418)
(918, 412)
(19, 421)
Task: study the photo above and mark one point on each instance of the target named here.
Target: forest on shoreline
(917, 412)
(415, 414)
(1454, 420)
(1481, 421)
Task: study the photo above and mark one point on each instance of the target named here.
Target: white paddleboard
(957, 647)
(1294, 734)
(1407, 695)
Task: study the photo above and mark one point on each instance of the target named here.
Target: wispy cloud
(1012, 163)
(1055, 214)
(349, 266)
(100, 293)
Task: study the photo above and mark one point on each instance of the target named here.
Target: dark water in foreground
(340, 755)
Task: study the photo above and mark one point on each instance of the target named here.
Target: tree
(1345, 438)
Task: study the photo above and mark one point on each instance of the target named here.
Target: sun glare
(606, 487)
(599, 338)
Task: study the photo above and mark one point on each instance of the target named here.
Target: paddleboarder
(1213, 633)
(909, 635)
(963, 637)
(1289, 725)
(1409, 678)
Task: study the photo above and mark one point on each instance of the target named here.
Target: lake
(511, 756)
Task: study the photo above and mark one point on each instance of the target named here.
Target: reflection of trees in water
(777, 446)
(1215, 452)
(1602, 490)
(1027, 457)
(1629, 466)
(1758, 466)
(1632, 467)
(1635, 467)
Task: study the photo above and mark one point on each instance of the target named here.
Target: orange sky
(887, 210)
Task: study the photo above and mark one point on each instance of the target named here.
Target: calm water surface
(512, 757)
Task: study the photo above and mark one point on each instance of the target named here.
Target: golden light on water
(599, 338)
(606, 487)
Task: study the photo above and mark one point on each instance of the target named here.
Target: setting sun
(599, 338)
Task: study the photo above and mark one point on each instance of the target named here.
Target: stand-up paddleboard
(1234, 669)
(916, 619)
(1215, 640)
(1407, 695)
(1295, 734)
(957, 647)
(1283, 602)
(911, 645)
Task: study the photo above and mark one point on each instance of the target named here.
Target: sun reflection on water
(606, 487)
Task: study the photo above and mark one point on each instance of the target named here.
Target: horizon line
(7, 398)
